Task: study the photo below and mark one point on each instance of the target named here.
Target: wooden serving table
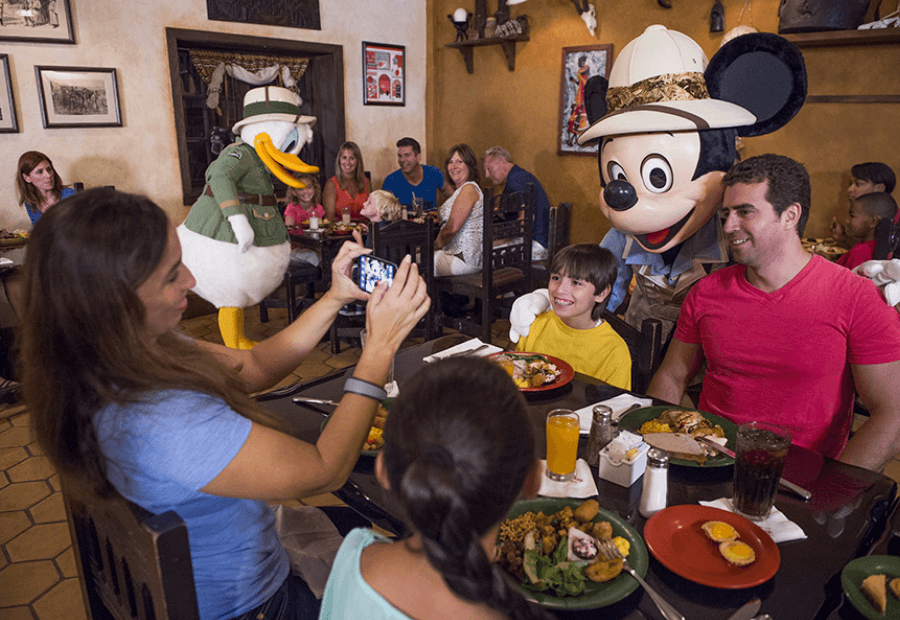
(847, 515)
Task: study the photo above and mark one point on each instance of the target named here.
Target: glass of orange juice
(562, 444)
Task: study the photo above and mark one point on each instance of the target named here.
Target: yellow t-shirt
(599, 352)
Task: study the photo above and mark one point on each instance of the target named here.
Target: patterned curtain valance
(206, 61)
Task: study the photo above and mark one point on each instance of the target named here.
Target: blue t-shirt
(35, 215)
(159, 454)
(347, 595)
(432, 181)
(517, 181)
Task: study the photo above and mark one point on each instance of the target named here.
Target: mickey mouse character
(665, 143)
(234, 240)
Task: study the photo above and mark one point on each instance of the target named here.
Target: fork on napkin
(776, 525)
(619, 404)
(468, 345)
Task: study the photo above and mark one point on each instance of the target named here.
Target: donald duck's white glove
(242, 231)
(886, 275)
(525, 310)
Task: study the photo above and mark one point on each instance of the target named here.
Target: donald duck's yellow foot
(231, 325)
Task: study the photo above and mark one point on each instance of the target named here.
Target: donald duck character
(666, 141)
(234, 240)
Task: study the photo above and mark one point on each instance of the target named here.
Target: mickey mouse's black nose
(619, 195)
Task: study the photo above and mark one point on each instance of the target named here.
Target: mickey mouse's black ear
(595, 97)
(763, 73)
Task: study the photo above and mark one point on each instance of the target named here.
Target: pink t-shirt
(858, 254)
(300, 215)
(784, 357)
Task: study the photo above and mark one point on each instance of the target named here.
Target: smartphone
(371, 270)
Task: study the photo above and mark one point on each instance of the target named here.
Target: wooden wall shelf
(834, 38)
(507, 43)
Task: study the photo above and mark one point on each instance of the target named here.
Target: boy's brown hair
(588, 262)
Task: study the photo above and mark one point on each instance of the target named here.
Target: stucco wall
(141, 156)
(519, 109)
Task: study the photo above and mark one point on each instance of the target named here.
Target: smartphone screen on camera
(371, 270)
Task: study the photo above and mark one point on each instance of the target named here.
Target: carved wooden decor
(290, 13)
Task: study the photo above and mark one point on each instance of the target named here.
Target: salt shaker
(601, 433)
(656, 483)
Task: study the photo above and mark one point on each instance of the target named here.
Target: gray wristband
(364, 388)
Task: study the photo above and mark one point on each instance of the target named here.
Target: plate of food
(13, 237)
(375, 439)
(573, 585)
(872, 583)
(343, 229)
(672, 419)
(712, 547)
(534, 372)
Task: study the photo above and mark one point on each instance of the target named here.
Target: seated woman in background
(38, 184)
(455, 472)
(349, 187)
(458, 246)
(123, 403)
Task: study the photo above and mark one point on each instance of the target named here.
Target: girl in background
(303, 203)
(455, 472)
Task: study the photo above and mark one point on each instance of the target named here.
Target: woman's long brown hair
(82, 343)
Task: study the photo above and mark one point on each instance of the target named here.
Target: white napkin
(5, 261)
(582, 485)
(468, 345)
(617, 403)
(776, 525)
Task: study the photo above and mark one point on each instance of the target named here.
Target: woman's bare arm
(329, 199)
(459, 213)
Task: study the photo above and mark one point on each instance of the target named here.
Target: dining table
(823, 246)
(326, 241)
(848, 514)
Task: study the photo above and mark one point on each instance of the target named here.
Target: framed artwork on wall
(78, 97)
(39, 21)
(384, 74)
(8, 121)
(585, 71)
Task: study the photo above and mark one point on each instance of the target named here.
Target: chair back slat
(644, 346)
(132, 565)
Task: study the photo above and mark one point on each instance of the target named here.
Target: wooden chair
(644, 346)
(132, 565)
(297, 274)
(505, 269)
(393, 241)
(559, 238)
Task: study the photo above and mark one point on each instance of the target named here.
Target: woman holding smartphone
(124, 404)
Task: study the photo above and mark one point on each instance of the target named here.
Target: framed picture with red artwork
(583, 69)
(384, 74)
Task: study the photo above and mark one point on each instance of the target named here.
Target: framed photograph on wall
(38, 21)
(585, 70)
(384, 74)
(78, 97)
(8, 121)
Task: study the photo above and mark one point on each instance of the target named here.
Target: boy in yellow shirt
(581, 278)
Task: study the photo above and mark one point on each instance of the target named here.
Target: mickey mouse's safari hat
(657, 84)
(272, 103)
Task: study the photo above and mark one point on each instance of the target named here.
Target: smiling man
(414, 180)
(789, 337)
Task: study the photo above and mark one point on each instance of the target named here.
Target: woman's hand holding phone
(343, 287)
(394, 309)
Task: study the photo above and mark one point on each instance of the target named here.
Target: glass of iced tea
(761, 451)
(562, 444)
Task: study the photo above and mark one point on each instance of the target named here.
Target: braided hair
(458, 448)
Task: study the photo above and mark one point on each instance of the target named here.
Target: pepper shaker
(601, 433)
(656, 483)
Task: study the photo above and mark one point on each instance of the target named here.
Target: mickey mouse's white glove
(886, 275)
(525, 310)
(242, 231)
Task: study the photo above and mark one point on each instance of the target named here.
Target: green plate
(632, 422)
(852, 577)
(595, 594)
(386, 403)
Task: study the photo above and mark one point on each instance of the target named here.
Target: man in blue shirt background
(413, 180)
(499, 168)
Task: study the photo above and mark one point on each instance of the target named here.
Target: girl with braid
(455, 464)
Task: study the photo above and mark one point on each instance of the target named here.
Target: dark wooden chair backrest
(559, 229)
(644, 345)
(395, 240)
(132, 565)
(507, 217)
